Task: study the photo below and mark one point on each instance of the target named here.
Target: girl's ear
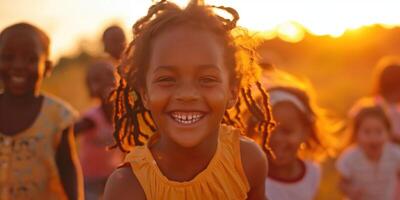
(234, 93)
(48, 68)
(145, 98)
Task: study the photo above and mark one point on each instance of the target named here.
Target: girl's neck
(290, 172)
(374, 157)
(205, 150)
(181, 164)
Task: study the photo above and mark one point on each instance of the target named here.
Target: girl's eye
(208, 80)
(165, 81)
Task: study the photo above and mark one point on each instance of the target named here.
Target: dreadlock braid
(127, 128)
(229, 24)
(268, 123)
(237, 115)
(263, 115)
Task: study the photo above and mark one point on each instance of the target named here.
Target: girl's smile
(187, 118)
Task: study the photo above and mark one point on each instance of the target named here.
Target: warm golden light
(318, 17)
(181, 3)
(286, 19)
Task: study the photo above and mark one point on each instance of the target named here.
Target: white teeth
(186, 117)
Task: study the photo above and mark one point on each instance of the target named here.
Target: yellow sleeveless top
(224, 177)
(28, 169)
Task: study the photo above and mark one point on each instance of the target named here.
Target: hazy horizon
(67, 22)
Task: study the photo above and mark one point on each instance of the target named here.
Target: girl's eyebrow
(173, 68)
(164, 68)
(209, 66)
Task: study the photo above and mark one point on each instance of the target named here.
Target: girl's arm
(346, 186)
(123, 185)
(255, 166)
(68, 165)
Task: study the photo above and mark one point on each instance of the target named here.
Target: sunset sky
(67, 21)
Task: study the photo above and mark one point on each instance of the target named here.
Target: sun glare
(290, 31)
(181, 3)
(290, 20)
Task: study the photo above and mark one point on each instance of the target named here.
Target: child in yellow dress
(37, 151)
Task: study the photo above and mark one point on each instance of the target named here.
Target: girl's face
(372, 135)
(289, 133)
(23, 63)
(187, 85)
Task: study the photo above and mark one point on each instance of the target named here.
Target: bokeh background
(334, 44)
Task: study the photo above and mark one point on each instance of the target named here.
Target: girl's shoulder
(252, 157)
(350, 155)
(123, 184)
(61, 112)
(350, 152)
(393, 148)
(393, 152)
(349, 160)
(312, 166)
(254, 162)
(313, 171)
(58, 104)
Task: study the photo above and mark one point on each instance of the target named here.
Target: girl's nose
(187, 92)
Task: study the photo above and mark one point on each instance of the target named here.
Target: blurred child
(387, 92)
(369, 167)
(114, 42)
(185, 74)
(37, 151)
(299, 140)
(95, 131)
